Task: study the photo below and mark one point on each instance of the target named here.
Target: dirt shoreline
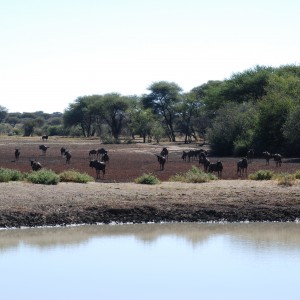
(30, 205)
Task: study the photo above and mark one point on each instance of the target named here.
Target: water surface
(152, 261)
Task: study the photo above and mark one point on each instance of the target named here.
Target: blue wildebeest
(68, 156)
(43, 148)
(277, 159)
(35, 165)
(17, 154)
(204, 160)
(161, 160)
(250, 155)
(242, 166)
(164, 152)
(216, 167)
(99, 166)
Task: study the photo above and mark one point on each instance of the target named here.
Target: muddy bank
(25, 204)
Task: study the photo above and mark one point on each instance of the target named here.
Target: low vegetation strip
(25, 204)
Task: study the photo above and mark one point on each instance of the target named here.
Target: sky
(54, 51)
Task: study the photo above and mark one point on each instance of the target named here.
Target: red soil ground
(127, 161)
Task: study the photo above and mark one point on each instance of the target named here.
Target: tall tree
(78, 113)
(111, 108)
(3, 113)
(162, 100)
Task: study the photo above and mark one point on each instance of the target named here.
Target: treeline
(258, 108)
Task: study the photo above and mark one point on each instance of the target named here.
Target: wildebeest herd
(124, 163)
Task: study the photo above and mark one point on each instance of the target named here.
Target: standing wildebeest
(204, 160)
(184, 155)
(216, 167)
(277, 159)
(162, 160)
(68, 156)
(242, 166)
(35, 165)
(62, 151)
(43, 148)
(267, 155)
(250, 155)
(17, 154)
(105, 158)
(45, 137)
(164, 152)
(99, 166)
(101, 152)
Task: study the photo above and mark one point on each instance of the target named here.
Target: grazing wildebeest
(164, 152)
(242, 166)
(101, 152)
(205, 161)
(92, 153)
(250, 155)
(62, 151)
(17, 154)
(267, 155)
(45, 137)
(35, 165)
(43, 148)
(162, 160)
(216, 167)
(99, 166)
(68, 156)
(277, 159)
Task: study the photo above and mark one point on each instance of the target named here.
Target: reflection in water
(151, 261)
(260, 235)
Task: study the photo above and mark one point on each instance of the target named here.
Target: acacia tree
(78, 113)
(111, 109)
(162, 100)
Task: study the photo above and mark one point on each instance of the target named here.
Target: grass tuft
(285, 179)
(43, 176)
(7, 175)
(147, 179)
(75, 176)
(262, 175)
(194, 175)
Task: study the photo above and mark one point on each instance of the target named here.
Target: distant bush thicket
(194, 175)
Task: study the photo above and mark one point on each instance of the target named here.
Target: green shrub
(43, 176)
(74, 176)
(194, 175)
(10, 175)
(262, 175)
(285, 179)
(147, 179)
(297, 174)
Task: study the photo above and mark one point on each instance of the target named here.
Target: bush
(194, 175)
(147, 179)
(297, 174)
(74, 176)
(262, 175)
(43, 176)
(10, 175)
(286, 179)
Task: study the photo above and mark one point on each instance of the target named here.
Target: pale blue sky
(53, 51)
